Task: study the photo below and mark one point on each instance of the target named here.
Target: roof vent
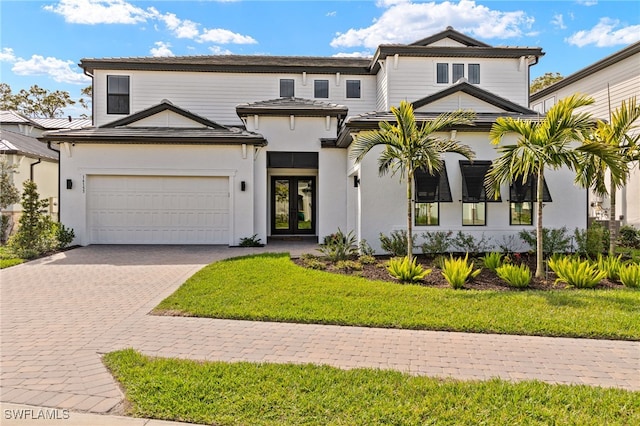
(166, 101)
(449, 28)
(461, 80)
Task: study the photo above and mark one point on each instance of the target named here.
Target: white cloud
(404, 22)
(604, 34)
(161, 49)
(333, 13)
(92, 12)
(7, 55)
(99, 12)
(217, 50)
(59, 70)
(363, 54)
(587, 2)
(558, 22)
(222, 36)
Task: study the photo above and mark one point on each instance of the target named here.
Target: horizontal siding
(382, 90)
(216, 95)
(414, 78)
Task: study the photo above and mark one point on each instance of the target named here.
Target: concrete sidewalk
(59, 314)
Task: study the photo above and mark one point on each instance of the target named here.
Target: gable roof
(16, 143)
(476, 92)
(13, 117)
(628, 51)
(453, 35)
(292, 106)
(165, 105)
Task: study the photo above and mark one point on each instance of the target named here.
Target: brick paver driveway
(59, 314)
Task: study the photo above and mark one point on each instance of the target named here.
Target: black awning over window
(520, 192)
(473, 190)
(432, 189)
(292, 160)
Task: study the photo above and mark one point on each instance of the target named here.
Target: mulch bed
(486, 280)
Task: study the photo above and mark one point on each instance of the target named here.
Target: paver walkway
(59, 314)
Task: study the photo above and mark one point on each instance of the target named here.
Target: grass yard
(274, 394)
(271, 287)
(7, 259)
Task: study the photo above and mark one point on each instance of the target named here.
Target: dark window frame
(417, 205)
(520, 222)
(473, 76)
(118, 94)
(457, 72)
(354, 89)
(287, 85)
(321, 92)
(442, 73)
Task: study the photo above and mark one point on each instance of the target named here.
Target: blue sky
(41, 42)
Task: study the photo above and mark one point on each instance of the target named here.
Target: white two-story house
(213, 149)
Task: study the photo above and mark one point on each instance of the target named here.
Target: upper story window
(442, 71)
(117, 94)
(458, 72)
(321, 88)
(474, 73)
(353, 88)
(287, 88)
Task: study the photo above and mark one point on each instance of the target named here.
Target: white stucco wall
(82, 160)
(383, 201)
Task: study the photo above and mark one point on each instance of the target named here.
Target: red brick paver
(57, 315)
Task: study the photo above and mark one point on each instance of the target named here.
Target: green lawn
(7, 258)
(272, 288)
(284, 394)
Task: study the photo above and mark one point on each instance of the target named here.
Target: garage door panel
(158, 210)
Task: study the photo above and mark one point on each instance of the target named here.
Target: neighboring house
(609, 81)
(34, 159)
(212, 149)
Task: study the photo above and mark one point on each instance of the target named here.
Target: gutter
(31, 166)
(59, 158)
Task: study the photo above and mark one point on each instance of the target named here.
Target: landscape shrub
(312, 262)
(554, 240)
(339, 246)
(405, 270)
(518, 276)
(458, 270)
(396, 243)
(575, 272)
(366, 259)
(508, 244)
(492, 260)
(365, 249)
(252, 241)
(436, 242)
(348, 265)
(630, 275)
(628, 236)
(592, 241)
(611, 265)
(467, 243)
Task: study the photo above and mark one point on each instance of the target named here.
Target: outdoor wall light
(243, 186)
(69, 184)
(356, 181)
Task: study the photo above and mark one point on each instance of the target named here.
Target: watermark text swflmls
(36, 414)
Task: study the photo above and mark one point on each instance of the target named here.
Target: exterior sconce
(69, 184)
(243, 186)
(356, 181)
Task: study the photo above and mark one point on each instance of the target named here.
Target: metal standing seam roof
(13, 117)
(63, 123)
(16, 143)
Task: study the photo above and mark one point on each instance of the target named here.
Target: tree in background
(9, 194)
(409, 147)
(545, 80)
(35, 102)
(86, 96)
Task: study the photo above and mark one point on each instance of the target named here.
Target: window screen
(117, 94)
(287, 88)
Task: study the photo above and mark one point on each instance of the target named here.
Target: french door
(293, 201)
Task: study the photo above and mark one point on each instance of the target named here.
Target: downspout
(93, 113)
(529, 81)
(31, 168)
(59, 202)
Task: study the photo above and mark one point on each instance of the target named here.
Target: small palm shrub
(339, 246)
(575, 272)
(406, 271)
(630, 275)
(396, 243)
(518, 276)
(458, 270)
(611, 265)
(492, 260)
(365, 248)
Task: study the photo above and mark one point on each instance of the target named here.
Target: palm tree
(410, 146)
(616, 133)
(547, 143)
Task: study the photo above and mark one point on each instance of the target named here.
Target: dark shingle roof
(16, 143)
(453, 35)
(292, 106)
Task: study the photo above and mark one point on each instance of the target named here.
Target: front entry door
(293, 200)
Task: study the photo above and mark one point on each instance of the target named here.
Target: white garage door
(158, 210)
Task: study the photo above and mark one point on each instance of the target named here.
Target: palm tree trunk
(613, 234)
(409, 222)
(539, 245)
